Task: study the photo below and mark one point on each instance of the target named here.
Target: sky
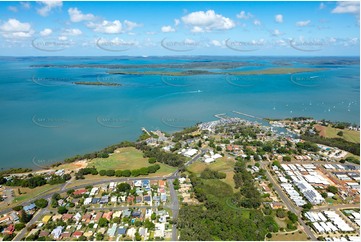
(62, 28)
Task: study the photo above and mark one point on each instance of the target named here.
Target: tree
(152, 160)
(103, 222)
(269, 235)
(19, 226)
(291, 216)
(340, 133)
(307, 206)
(153, 216)
(99, 236)
(332, 189)
(24, 217)
(110, 172)
(287, 158)
(62, 210)
(41, 203)
(137, 236)
(324, 194)
(123, 187)
(17, 208)
(102, 172)
(280, 213)
(126, 173)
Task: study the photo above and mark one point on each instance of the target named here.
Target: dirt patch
(321, 129)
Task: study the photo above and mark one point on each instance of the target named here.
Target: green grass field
(348, 135)
(128, 158)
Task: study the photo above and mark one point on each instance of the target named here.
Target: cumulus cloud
(46, 32)
(347, 7)
(257, 22)
(207, 21)
(244, 15)
(106, 27)
(276, 32)
(47, 6)
(303, 23)
(167, 29)
(13, 28)
(72, 32)
(176, 22)
(129, 25)
(77, 16)
(216, 43)
(279, 18)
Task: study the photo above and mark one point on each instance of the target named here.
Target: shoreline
(51, 167)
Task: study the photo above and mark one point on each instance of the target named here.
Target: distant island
(98, 83)
(269, 71)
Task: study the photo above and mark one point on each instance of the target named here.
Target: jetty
(247, 115)
(146, 131)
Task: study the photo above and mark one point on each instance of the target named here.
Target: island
(109, 84)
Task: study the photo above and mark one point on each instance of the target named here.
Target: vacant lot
(222, 164)
(329, 132)
(296, 236)
(127, 158)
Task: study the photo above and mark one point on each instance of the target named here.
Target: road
(288, 203)
(175, 208)
(47, 196)
(35, 218)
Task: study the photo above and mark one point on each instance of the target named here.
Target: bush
(152, 160)
(17, 208)
(19, 226)
(41, 203)
(269, 235)
(62, 210)
(102, 172)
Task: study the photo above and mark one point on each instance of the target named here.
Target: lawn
(127, 158)
(296, 236)
(348, 135)
(223, 164)
(28, 193)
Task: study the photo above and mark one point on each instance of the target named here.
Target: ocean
(46, 118)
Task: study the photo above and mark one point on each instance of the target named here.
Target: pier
(247, 115)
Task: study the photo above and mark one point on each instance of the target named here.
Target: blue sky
(179, 28)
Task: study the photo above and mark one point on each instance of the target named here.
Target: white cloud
(48, 6)
(276, 32)
(13, 9)
(129, 25)
(347, 7)
(77, 16)
(207, 21)
(352, 7)
(72, 32)
(257, 22)
(106, 27)
(322, 5)
(216, 43)
(176, 22)
(62, 38)
(46, 32)
(167, 29)
(197, 29)
(244, 15)
(25, 5)
(13, 28)
(303, 23)
(279, 18)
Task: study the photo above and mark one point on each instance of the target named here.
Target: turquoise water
(45, 118)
